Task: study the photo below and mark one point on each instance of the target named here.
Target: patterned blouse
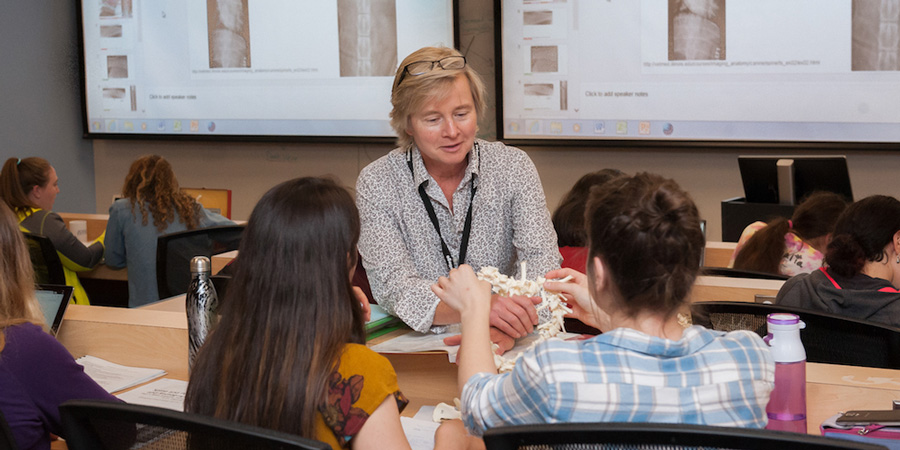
(400, 248)
(799, 257)
(360, 384)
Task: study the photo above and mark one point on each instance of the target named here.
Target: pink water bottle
(787, 405)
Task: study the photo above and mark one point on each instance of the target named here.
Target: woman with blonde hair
(37, 373)
(29, 187)
(444, 198)
(153, 205)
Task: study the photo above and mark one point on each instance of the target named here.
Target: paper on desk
(162, 393)
(115, 377)
(418, 342)
(419, 430)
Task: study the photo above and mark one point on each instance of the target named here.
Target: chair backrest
(655, 436)
(827, 338)
(175, 250)
(7, 441)
(740, 273)
(48, 268)
(101, 425)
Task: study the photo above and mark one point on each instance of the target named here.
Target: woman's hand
(363, 303)
(504, 341)
(577, 295)
(515, 315)
(462, 291)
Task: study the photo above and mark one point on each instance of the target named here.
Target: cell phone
(868, 417)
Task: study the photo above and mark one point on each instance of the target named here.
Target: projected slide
(251, 68)
(701, 70)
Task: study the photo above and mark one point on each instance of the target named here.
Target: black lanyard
(467, 228)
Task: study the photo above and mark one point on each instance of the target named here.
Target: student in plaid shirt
(644, 255)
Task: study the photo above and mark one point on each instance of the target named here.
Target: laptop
(53, 299)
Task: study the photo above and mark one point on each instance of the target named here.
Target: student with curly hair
(644, 247)
(862, 275)
(29, 187)
(153, 205)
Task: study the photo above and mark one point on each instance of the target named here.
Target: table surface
(157, 337)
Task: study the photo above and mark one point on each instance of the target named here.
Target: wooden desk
(96, 223)
(712, 288)
(218, 262)
(718, 254)
(133, 337)
(156, 336)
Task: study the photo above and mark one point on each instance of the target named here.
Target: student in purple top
(37, 373)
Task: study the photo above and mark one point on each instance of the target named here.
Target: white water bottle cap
(784, 337)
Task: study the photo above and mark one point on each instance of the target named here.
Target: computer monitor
(53, 300)
(759, 175)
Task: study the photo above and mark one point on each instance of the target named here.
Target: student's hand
(462, 291)
(363, 303)
(504, 341)
(577, 296)
(514, 315)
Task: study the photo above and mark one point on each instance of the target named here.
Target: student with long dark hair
(790, 246)
(289, 350)
(29, 187)
(37, 373)
(862, 277)
(152, 205)
(644, 244)
(568, 219)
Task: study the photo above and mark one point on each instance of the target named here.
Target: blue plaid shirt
(708, 377)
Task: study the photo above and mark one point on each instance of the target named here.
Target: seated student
(644, 242)
(790, 247)
(28, 187)
(568, 219)
(289, 350)
(862, 276)
(153, 205)
(37, 373)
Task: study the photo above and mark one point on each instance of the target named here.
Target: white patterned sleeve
(395, 283)
(534, 236)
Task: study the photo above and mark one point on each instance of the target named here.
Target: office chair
(655, 436)
(48, 268)
(7, 441)
(175, 250)
(827, 338)
(102, 425)
(740, 273)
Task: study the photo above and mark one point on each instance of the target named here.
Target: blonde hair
(414, 90)
(18, 303)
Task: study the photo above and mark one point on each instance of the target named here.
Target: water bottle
(787, 404)
(201, 303)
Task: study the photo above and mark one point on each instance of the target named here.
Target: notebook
(53, 299)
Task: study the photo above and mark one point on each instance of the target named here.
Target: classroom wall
(40, 98)
(41, 105)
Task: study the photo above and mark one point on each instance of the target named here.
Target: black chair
(48, 268)
(7, 441)
(827, 338)
(175, 250)
(101, 425)
(739, 273)
(655, 436)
